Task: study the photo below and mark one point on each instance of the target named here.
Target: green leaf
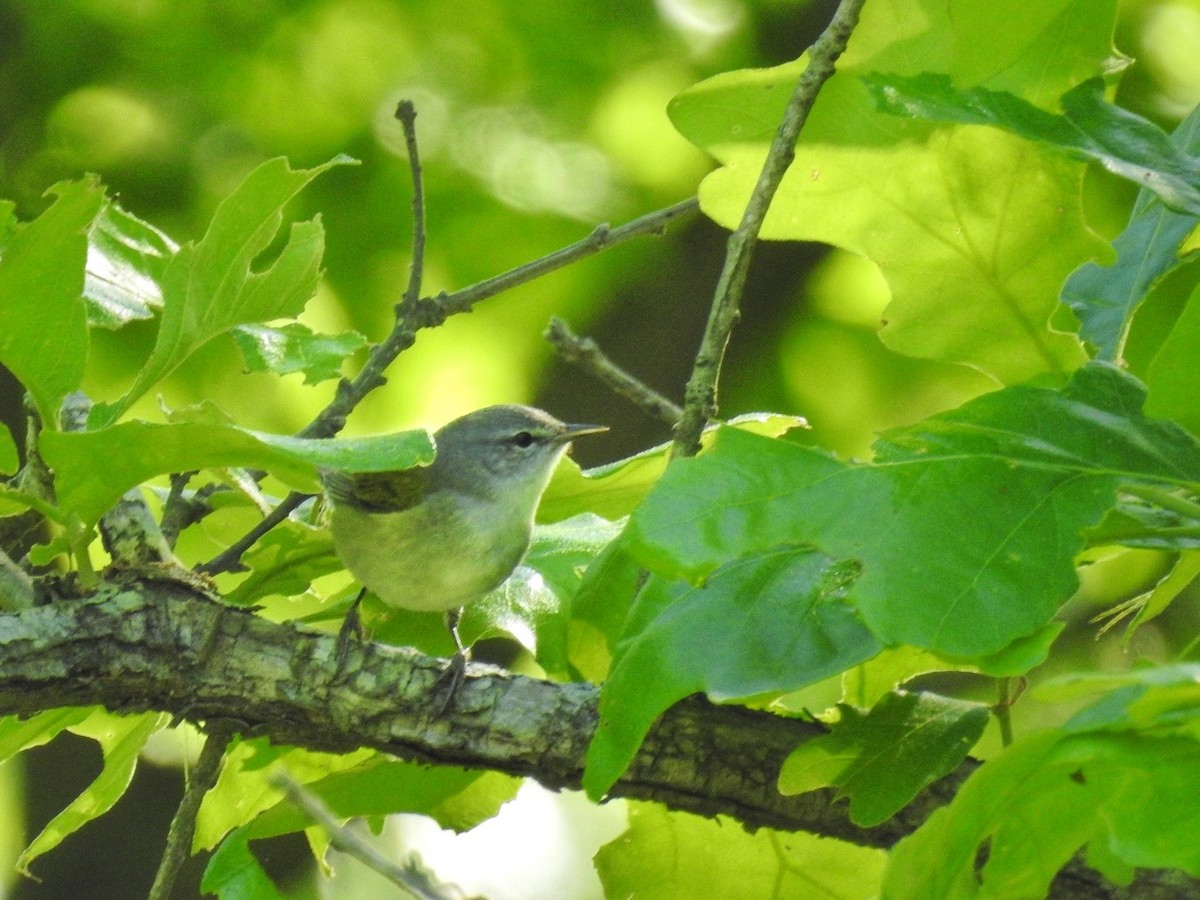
(1173, 376)
(233, 873)
(966, 525)
(9, 457)
(1106, 297)
(765, 624)
(615, 489)
(211, 286)
(296, 348)
(94, 468)
(121, 739)
(883, 758)
(17, 734)
(284, 563)
(1124, 143)
(973, 229)
(1044, 798)
(456, 799)
(41, 282)
(126, 263)
(667, 855)
(1152, 697)
(599, 609)
(534, 605)
(244, 790)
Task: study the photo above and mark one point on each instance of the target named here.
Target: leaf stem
(1164, 499)
(700, 402)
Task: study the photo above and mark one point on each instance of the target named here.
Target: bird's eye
(522, 439)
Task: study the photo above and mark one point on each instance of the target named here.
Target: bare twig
(229, 559)
(410, 877)
(700, 399)
(406, 113)
(584, 353)
(183, 826)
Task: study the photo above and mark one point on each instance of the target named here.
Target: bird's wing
(377, 491)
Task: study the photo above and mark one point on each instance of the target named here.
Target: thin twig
(584, 353)
(601, 238)
(700, 398)
(406, 113)
(183, 826)
(431, 312)
(229, 559)
(409, 877)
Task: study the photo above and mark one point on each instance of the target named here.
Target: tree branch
(139, 645)
(183, 825)
(584, 353)
(700, 399)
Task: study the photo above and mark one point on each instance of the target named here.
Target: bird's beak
(570, 432)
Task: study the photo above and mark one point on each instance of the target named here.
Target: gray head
(506, 448)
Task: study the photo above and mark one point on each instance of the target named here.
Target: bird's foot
(450, 681)
(352, 628)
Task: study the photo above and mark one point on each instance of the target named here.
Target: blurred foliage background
(536, 121)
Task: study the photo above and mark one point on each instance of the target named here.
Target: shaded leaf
(284, 562)
(1124, 143)
(233, 872)
(765, 624)
(967, 524)
(1106, 297)
(1043, 799)
(881, 759)
(1173, 375)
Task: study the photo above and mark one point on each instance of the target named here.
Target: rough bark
(143, 643)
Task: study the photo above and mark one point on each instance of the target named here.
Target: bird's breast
(443, 554)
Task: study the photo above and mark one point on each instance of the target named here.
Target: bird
(439, 537)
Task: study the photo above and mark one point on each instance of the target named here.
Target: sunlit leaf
(41, 282)
(973, 229)
(1124, 143)
(666, 855)
(126, 262)
(94, 468)
(210, 286)
(121, 739)
(296, 348)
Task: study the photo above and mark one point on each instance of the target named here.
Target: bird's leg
(452, 678)
(351, 625)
